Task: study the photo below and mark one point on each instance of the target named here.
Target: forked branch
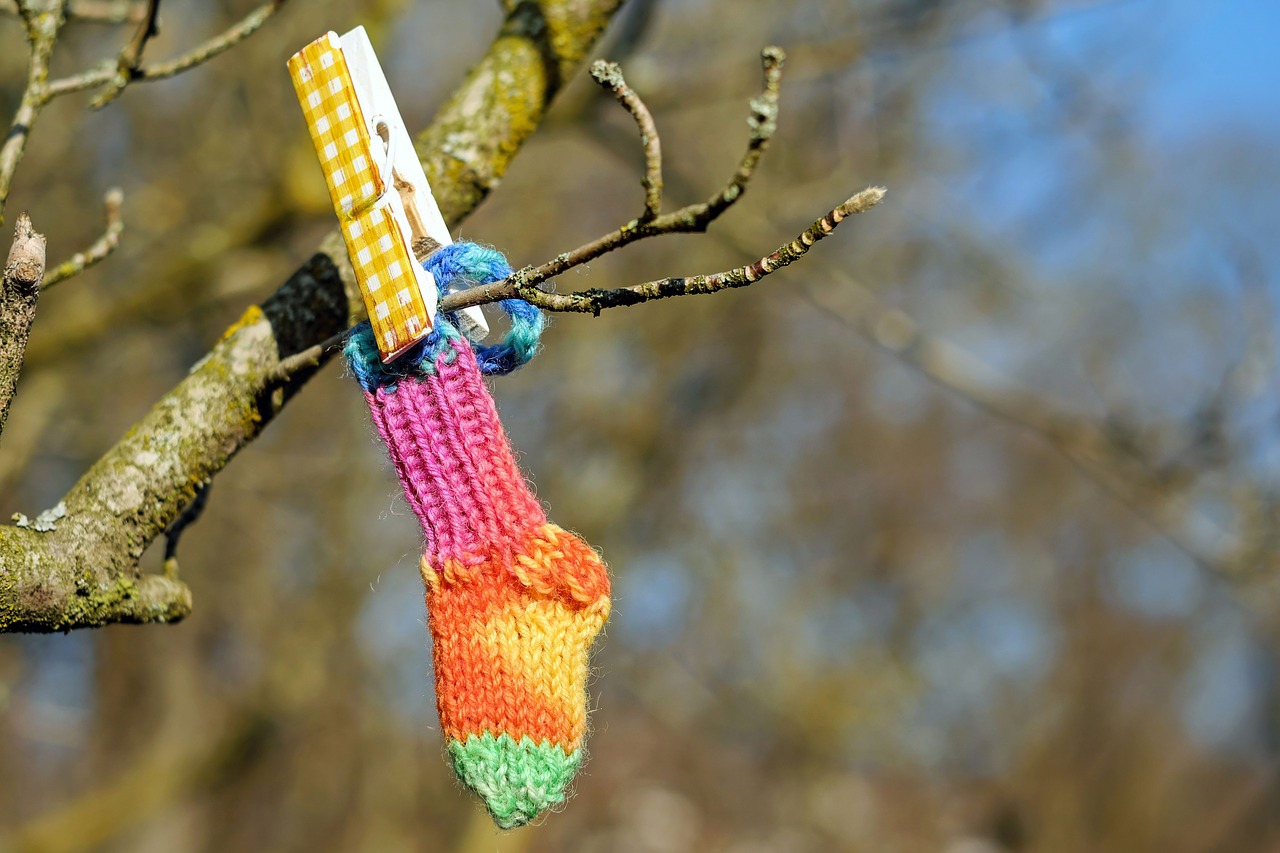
(763, 121)
(43, 20)
(130, 59)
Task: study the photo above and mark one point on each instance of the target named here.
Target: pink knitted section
(454, 460)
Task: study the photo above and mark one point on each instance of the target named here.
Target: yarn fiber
(514, 602)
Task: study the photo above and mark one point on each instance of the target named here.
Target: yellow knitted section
(547, 643)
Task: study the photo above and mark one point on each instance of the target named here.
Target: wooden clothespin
(389, 218)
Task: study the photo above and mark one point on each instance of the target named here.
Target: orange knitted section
(512, 631)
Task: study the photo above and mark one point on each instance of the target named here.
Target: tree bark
(23, 273)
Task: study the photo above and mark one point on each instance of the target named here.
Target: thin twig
(42, 21)
(130, 58)
(311, 357)
(173, 533)
(763, 122)
(90, 11)
(518, 286)
(106, 11)
(104, 74)
(609, 75)
(103, 246)
(247, 26)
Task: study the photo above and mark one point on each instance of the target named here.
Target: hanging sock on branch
(514, 602)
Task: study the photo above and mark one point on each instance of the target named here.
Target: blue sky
(1223, 64)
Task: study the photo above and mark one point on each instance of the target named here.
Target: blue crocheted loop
(472, 264)
(459, 264)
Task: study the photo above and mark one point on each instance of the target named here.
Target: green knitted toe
(517, 780)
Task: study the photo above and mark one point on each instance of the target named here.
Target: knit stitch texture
(514, 602)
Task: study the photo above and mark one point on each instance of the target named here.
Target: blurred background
(955, 536)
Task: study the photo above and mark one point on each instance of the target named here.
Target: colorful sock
(514, 602)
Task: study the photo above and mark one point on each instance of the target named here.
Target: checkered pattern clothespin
(389, 218)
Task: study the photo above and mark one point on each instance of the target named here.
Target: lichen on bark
(469, 145)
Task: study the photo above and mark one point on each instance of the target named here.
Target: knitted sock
(514, 602)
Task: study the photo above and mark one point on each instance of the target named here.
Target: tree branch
(100, 248)
(693, 217)
(594, 301)
(130, 59)
(524, 284)
(110, 73)
(18, 295)
(91, 11)
(311, 358)
(42, 19)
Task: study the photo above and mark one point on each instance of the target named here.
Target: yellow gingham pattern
(387, 279)
(338, 129)
(380, 251)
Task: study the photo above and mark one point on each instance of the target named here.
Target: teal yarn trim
(454, 266)
(518, 780)
(365, 361)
